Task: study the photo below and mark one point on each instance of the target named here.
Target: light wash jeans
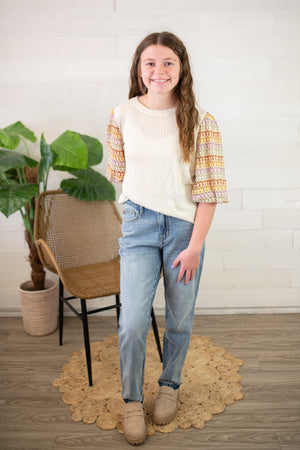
(151, 241)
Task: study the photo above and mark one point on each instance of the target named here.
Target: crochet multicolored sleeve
(116, 166)
(210, 183)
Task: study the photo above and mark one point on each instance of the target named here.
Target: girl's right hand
(189, 261)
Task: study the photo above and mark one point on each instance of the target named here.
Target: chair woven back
(78, 233)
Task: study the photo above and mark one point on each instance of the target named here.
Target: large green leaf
(46, 158)
(95, 150)
(70, 151)
(89, 185)
(12, 160)
(18, 129)
(14, 197)
(7, 141)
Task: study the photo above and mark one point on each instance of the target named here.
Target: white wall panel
(65, 65)
(235, 199)
(262, 260)
(226, 219)
(297, 239)
(246, 279)
(262, 174)
(296, 278)
(272, 199)
(249, 91)
(67, 71)
(249, 240)
(282, 219)
(12, 242)
(57, 48)
(238, 299)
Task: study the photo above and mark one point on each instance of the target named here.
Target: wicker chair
(79, 241)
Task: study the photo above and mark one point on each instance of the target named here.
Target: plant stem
(37, 269)
(24, 175)
(21, 181)
(46, 180)
(31, 210)
(27, 223)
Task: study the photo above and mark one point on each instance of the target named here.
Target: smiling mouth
(160, 81)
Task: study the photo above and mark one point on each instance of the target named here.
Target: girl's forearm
(203, 219)
(189, 258)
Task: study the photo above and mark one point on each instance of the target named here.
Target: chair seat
(94, 280)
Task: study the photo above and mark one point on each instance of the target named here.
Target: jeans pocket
(131, 211)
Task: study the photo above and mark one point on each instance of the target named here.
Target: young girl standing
(168, 155)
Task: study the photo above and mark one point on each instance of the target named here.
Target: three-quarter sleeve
(116, 166)
(209, 183)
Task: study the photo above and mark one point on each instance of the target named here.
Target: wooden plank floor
(33, 416)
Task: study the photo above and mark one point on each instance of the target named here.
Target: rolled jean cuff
(171, 385)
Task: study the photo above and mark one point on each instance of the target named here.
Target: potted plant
(22, 178)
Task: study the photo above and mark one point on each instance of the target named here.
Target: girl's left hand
(189, 260)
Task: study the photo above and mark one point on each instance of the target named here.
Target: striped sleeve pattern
(116, 166)
(210, 183)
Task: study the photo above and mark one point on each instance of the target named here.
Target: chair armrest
(46, 256)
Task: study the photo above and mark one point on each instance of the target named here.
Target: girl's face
(159, 69)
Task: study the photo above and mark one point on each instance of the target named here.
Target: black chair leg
(61, 312)
(86, 340)
(118, 304)
(155, 330)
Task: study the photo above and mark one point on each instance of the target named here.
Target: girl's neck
(158, 102)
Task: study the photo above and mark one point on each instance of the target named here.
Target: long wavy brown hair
(187, 115)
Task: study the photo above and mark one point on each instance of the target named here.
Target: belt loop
(141, 209)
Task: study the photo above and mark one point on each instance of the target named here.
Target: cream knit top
(145, 155)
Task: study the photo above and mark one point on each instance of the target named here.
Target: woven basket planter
(39, 308)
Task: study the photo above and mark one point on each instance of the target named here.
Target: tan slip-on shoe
(134, 426)
(165, 406)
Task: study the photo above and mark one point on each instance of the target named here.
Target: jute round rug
(210, 382)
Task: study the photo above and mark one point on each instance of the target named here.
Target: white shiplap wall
(64, 65)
